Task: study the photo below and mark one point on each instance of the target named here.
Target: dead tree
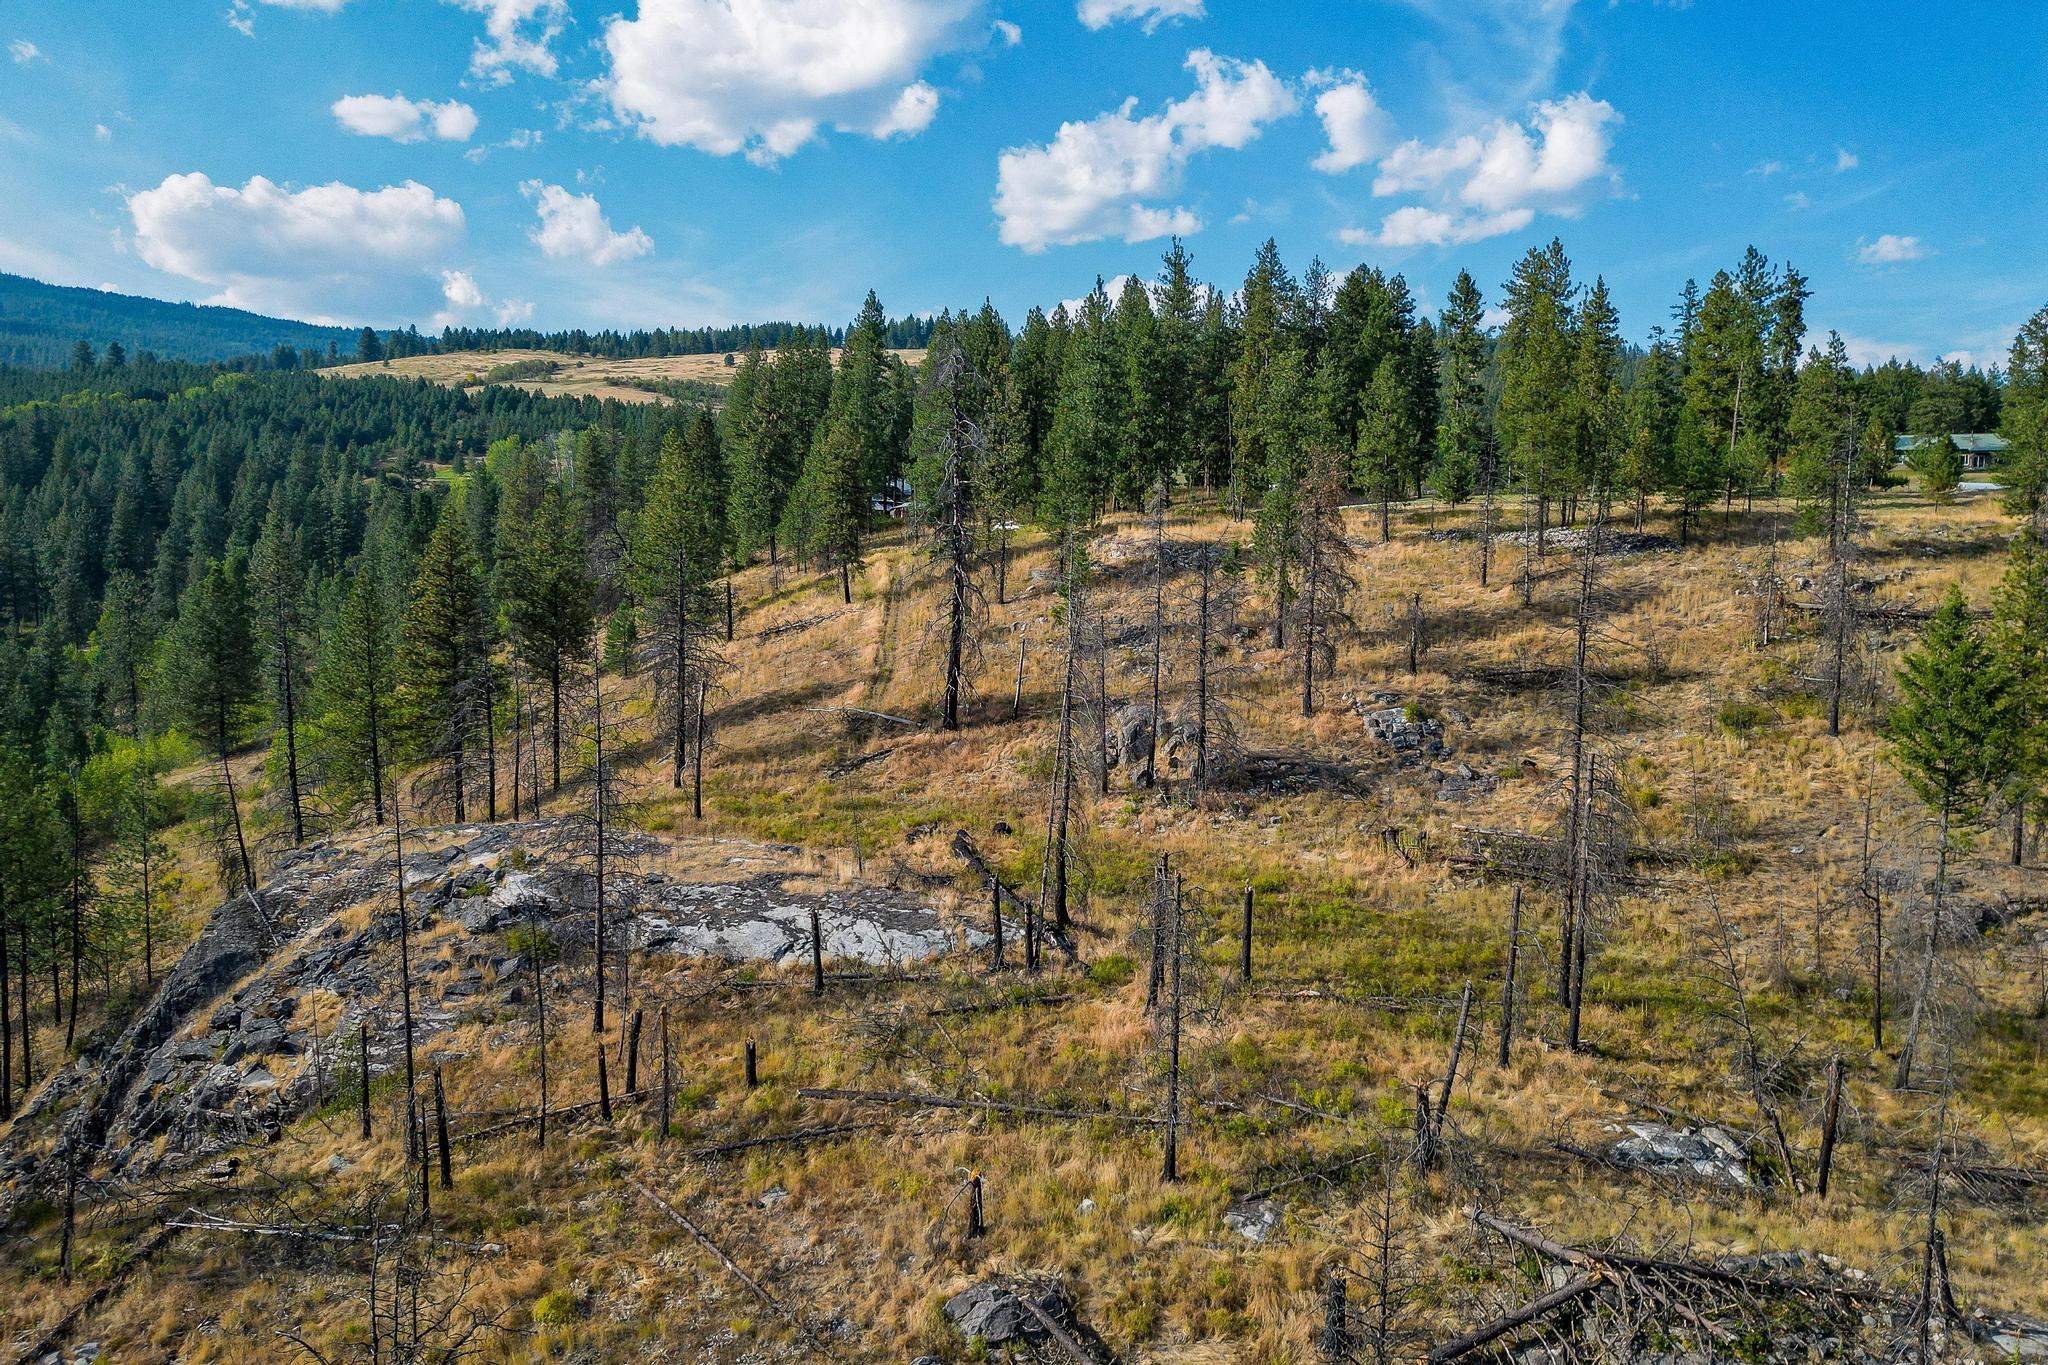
(1489, 511)
(1755, 1069)
(956, 453)
(1177, 948)
(404, 962)
(1056, 880)
(1507, 988)
(1158, 567)
(1323, 556)
(1212, 716)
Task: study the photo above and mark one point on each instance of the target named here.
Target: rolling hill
(41, 324)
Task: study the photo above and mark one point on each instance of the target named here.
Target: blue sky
(640, 162)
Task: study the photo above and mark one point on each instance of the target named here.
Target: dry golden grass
(868, 1231)
(573, 376)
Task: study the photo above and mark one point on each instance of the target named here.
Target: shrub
(1112, 971)
(556, 1308)
(1745, 718)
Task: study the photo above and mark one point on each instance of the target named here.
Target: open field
(575, 376)
(1368, 929)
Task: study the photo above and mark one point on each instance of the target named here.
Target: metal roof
(1982, 442)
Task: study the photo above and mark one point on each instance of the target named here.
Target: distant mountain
(41, 324)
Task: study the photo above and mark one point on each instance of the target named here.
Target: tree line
(378, 575)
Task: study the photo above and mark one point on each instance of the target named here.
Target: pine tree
(1462, 435)
(210, 678)
(1088, 421)
(1946, 734)
(1595, 368)
(277, 589)
(123, 644)
(756, 490)
(678, 543)
(2024, 420)
(443, 667)
(1536, 363)
(1647, 422)
(549, 604)
(352, 696)
(1823, 434)
(1386, 442)
(1260, 344)
(1290, 425)
(2019, 638)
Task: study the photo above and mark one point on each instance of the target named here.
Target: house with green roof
(1980, 450)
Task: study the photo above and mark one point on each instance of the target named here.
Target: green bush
(1112, 971)
(1745, 718)
(556, 1308)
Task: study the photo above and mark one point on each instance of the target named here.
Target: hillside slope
(41, 324)
(1731, 968)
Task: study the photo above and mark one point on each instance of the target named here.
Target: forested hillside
(1282, 597)
(45, 324)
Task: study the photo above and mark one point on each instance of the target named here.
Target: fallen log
(51, 1341)
(984, 1006)
(966, 852)
(1654, 1265)
(782, 1139)
(526, 1120)
(1058, 1333)
(732, 1267)
(1568, 1293)
(927, 1101)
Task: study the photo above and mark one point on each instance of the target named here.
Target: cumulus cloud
(519, 35)
(1892, 249)
(1846, 160)
(573, 227)
(1101, 177)
(1357, 129)
(1008, 32)
(23, 52)
(328, 253)
(763, 76)
(404, 120)
(1494, 182)
(1098, 14)
(1419, 226)
(241, 18)
(911, 114)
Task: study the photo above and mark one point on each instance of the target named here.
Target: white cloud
(404, 120)
(327, 252)
(102, 132)
(572, 226)
(1561, 150)
(241, 18)
(460, 289)
(1892, 249)
(1098, 14)
(1098, 178)
(1113, 288)
(911, 114)
(23, 51)
(323, 6)
(1419, 226)
(763, 76)
(1764, 170)
(1008, 32)
(1846, 160)
(519, 35)
(513, 311)
(1357, 129)
(1798, 201)
(1494, 182)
